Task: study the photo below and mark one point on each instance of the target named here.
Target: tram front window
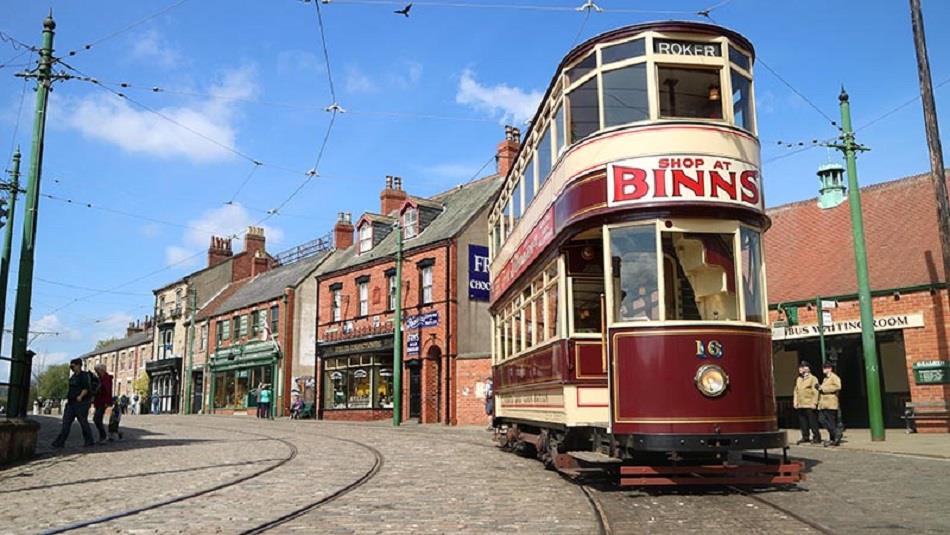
(633, 266)
(699, 271)
(689, 93)
(752, 274)
(586, 294)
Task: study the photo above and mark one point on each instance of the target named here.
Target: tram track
(774, 506)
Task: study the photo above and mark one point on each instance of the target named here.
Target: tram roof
(810, 251)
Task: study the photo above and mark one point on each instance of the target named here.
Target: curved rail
(603, 525)
(810, 523)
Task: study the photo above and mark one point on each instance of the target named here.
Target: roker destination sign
(684, 178)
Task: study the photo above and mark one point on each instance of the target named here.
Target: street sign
(828, 305)
(826, 317)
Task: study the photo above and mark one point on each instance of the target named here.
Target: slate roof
(269, 284)
(461, 204)
(129, 341)
(809, 251)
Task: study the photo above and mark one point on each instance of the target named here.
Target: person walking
(78, 400)
(154, 402)
(263, 405)
(805, 401)
(102, 400)
(490, 402)
(828, 403)
(135, 403)
(124, 403)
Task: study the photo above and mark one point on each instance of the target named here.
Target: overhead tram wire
(518, 7)
(125, 28)
(19, 113)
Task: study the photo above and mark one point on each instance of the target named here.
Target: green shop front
(236, 373)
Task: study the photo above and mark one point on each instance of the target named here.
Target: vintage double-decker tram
(628, 300)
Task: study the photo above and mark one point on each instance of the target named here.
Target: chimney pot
(508, 150)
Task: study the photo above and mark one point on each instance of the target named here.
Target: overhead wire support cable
(126, 28)
(326, 52)
(519, 7)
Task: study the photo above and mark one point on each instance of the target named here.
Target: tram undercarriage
(581, 453)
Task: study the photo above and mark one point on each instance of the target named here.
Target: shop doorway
(846, 352)
(415, 389)
(197, 385)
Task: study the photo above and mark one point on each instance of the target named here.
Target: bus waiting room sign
(684, 178)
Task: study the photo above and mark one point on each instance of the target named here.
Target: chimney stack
(219, 250)
(254, 240)
(508, 150)
(343, 232)
(392, 196)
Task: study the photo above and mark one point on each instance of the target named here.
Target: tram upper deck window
(584, 113)
(544, 156)
(561, 129)
(578, 71)
(739, 58)
(699, 270)
(741, 100)
(686, 92)
(622, 51)
(625, 95)
(528, 184)
(633, 265)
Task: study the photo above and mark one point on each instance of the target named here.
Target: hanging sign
(479, 287)
(885, 323)
(685, 178)
(412, 343)
(826, 317)
(429, 319)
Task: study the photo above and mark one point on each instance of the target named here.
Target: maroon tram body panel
(653, 381)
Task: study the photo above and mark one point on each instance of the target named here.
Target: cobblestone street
(230, 475)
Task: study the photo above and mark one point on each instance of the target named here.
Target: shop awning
(244, 356)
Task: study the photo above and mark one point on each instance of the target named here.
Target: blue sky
(426, 98)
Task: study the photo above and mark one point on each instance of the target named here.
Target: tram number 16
(712, 348)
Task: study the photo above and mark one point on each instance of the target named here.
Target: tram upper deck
(651, 116)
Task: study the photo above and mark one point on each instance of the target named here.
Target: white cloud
(51, 323)
(358, 82)
(508, 104)
(223, 221)
(113, 120)
(152, 47)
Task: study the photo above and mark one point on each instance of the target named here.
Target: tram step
(578, 473)
(594, 457)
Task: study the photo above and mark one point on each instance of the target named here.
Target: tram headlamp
(711, 380)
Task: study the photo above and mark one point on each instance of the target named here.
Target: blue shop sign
(479, 285)
(412, 343)
(429, 319)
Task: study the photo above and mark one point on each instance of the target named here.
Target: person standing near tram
(828, 403)
(805, 401)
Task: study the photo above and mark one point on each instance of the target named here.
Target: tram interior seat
(709, 279)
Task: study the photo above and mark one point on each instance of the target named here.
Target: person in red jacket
(103, 400)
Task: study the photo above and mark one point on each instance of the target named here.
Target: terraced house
(125, 359)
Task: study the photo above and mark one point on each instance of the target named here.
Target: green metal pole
(19, 371)
(191, 351)
(8, 238)
(397, 333)
(868, 343)
(821, 328)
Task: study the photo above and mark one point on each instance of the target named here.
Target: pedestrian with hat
(828, 403)
(805, 401)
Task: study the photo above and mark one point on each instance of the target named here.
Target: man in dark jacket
(77, 405)
(103, 400)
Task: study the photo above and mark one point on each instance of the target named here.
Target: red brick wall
(930, 342)
(470, 409)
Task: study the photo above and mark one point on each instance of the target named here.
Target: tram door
(415, 389)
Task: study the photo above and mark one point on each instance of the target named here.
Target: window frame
(368, 238)
(423, 286)
(336, 304)
(410, 229)
(362, 293)
(510, 321)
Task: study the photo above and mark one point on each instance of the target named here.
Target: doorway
(197, 385)
(415, 389)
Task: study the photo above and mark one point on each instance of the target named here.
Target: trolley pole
(850, 148)
(191, 351)
(14, 188)
(397, 332)
(20, 365)
(937, 173)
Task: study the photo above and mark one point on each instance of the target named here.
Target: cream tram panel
(571, 405)
(712, 139)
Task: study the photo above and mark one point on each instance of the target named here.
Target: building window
(167, 344)
(243, 324)
(391, 285)
(337, 296)
(364, 298)
(411, 223)
(426, 286)
(231, 387)
(366, 237)
(223, 331)
(274, 320)
(203, 340)
(358, 382)
(235, 327)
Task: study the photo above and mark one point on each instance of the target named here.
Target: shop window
(529, 186)
(274, 320)
(622, 51)
(544, 157)
(689, 93)
(233, 388)
(742, 100)
(358, 382)
(752, 275)
(337, 297)
(702, 266)
(584, 112)
(634, 272)
(411, 223)
(363, 289)
(625, 95)
(366, 237)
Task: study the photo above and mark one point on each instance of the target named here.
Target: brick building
(446, 335)
(810, 255)
(125, 359)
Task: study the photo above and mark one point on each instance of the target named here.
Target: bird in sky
(405, 10)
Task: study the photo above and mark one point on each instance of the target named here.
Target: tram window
(630, 49)
(544, 157)
(529, 183)
(689, 93)
(561, 129)
(752, 274)
(739, 58)
(578, 71)
(528, 314)
(496, 237)
(516, 203)
(741, 100)
(516, 338)
(584, 114)
(508, 217)
(702, 266)
(625, 95)
(633, 262)
(585, 292)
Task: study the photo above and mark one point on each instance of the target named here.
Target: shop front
(164, 378)
(237, 373)
(357, 378)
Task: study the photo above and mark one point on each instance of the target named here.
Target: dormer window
(366, 237)
(410, 222)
